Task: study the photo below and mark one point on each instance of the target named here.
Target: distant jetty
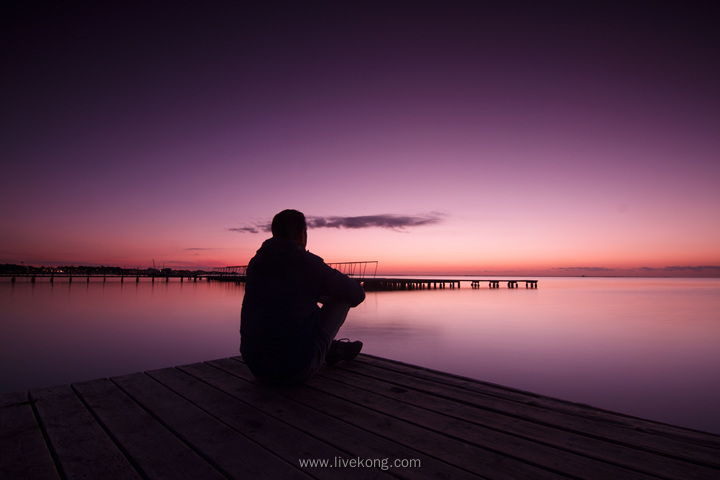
(69, 276)
(94, 272)
(360, 272)
(376, 284)
(364, 272)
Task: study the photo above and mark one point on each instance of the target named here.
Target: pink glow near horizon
(537, 153)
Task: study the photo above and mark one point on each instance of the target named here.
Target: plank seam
(440, 460)
(173, 431)
(555, 405)
(110, 434)
(48, 443)
(499, 430)
(457, 439)
(338, 447)
(226, 424)
(647, 449)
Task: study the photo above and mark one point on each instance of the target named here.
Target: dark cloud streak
(387, 221)
(699, 268)
(255, 229)
(393, 222)
(584, 269)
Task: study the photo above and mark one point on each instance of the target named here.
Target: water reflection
(65, 332)
(647, 347)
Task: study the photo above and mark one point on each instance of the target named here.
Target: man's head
(290, 225)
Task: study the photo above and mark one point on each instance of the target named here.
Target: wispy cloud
(700, 268)
(393, 222)
(388, 221)
(259, 227)
(584, 269)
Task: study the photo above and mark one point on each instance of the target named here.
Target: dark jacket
(279, 312)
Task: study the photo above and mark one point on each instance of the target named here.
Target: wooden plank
(285, 441)
(226, 449)
(503, 459)
(213, 420)
(157, 453)
(23, 451)
(598, 416)
(604, 425)
(571, 450)
(460, 442)
(81, 446)
(13, 398)
(356, 442)
(571, 408)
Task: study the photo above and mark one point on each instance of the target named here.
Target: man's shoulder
(313, 258)
(315, 264)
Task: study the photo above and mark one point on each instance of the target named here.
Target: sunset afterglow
(448, 138)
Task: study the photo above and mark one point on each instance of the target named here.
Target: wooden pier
(365, 273)
(510, 283)
(370, 418)
(51, 277)
(374, 284)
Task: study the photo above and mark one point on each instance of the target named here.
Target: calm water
(645, 347)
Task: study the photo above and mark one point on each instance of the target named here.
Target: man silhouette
(284, 335)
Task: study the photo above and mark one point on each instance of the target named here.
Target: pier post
(137, 279)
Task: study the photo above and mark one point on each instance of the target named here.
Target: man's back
(279, 314)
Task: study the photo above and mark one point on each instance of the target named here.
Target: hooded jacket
(279, 312)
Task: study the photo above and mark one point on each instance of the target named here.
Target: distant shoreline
(15, 269)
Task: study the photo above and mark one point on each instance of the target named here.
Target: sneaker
(342, 349)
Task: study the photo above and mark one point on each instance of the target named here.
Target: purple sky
(536, 137)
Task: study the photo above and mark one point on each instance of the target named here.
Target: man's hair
(288, 224)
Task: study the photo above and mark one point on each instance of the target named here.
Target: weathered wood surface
(212, 420)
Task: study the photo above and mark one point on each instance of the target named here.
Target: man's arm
(339, 286)
(332, 284)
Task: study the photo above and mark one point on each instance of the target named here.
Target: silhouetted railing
(357, 270)
(232, 270)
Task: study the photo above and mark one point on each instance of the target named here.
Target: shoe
(342, 349)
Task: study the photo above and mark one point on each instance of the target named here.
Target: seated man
(284, 334)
